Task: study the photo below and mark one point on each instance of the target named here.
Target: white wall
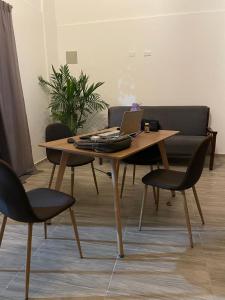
(32, 50)
(186, 39)
(50, 33)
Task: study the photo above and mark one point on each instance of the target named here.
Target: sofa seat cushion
(182, 145)
(47, 203)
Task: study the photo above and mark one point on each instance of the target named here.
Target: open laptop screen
(131, 122)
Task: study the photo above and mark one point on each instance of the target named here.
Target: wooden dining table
(140, 142)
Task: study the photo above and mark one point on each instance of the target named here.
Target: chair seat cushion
(149, 156)
(164, 179)
(47, 203)
(182, 145)
(75, 160)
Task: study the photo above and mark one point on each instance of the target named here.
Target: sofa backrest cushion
(189, 120)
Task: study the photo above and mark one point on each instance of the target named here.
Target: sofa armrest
(213, 135)
(211, 132)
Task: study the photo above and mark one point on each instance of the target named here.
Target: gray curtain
(15, 145)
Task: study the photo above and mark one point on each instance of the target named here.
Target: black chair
(179, 181)
(58, 131)
(147, 157)
(35, 206)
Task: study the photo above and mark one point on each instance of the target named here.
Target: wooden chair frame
(29, 245)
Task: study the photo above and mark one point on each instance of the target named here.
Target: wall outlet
(147, 53)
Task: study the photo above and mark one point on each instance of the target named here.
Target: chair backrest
(57, 131)
(13, 199)
(196, 165)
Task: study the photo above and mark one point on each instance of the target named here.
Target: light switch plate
(71, 57)
(147, 53)
(132, 53)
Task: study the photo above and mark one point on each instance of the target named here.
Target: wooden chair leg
(154, 194)
(142, 206)
(52, 175)
(100, 161)
(134, 171)
(153, 188)
(73, 220)
(157, 199)
(2, 229)
(187, 219)
(45, 230)
(29, 248)
(72, 181)
(94, 176)
(173, 193)
(123, 180)
(198, 204)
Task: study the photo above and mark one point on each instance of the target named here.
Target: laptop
(131, 125)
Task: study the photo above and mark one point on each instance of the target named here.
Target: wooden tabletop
(140, 142)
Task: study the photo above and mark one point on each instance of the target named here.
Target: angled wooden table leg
(165, 162)
(115, 171)
(61, 171)
(162, 150)
(60, 174)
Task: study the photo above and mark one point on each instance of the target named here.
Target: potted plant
(72, 99)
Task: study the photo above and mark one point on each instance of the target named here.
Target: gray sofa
(190, 121)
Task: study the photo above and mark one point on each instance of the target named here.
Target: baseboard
(40, 161)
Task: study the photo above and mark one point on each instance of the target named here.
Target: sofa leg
(211, 162)
(213, 147)
(100, 160)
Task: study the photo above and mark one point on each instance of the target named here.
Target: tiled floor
(159, 263)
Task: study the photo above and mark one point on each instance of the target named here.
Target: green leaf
(73, 99)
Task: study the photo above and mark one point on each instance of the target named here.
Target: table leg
(61, 171)
(165, 162)
(162, 150)
(115, 171)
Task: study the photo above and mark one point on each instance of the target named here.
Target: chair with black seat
(58, 131)
(35, 206)
(179, 181)
(147, 157)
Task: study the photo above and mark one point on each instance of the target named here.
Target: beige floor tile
(159, 264)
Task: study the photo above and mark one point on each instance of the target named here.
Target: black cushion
(37, 205)
(164, 179)
(58, 131)
(47, 203)
(175, 180)
(74, 160)
(146, 157)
